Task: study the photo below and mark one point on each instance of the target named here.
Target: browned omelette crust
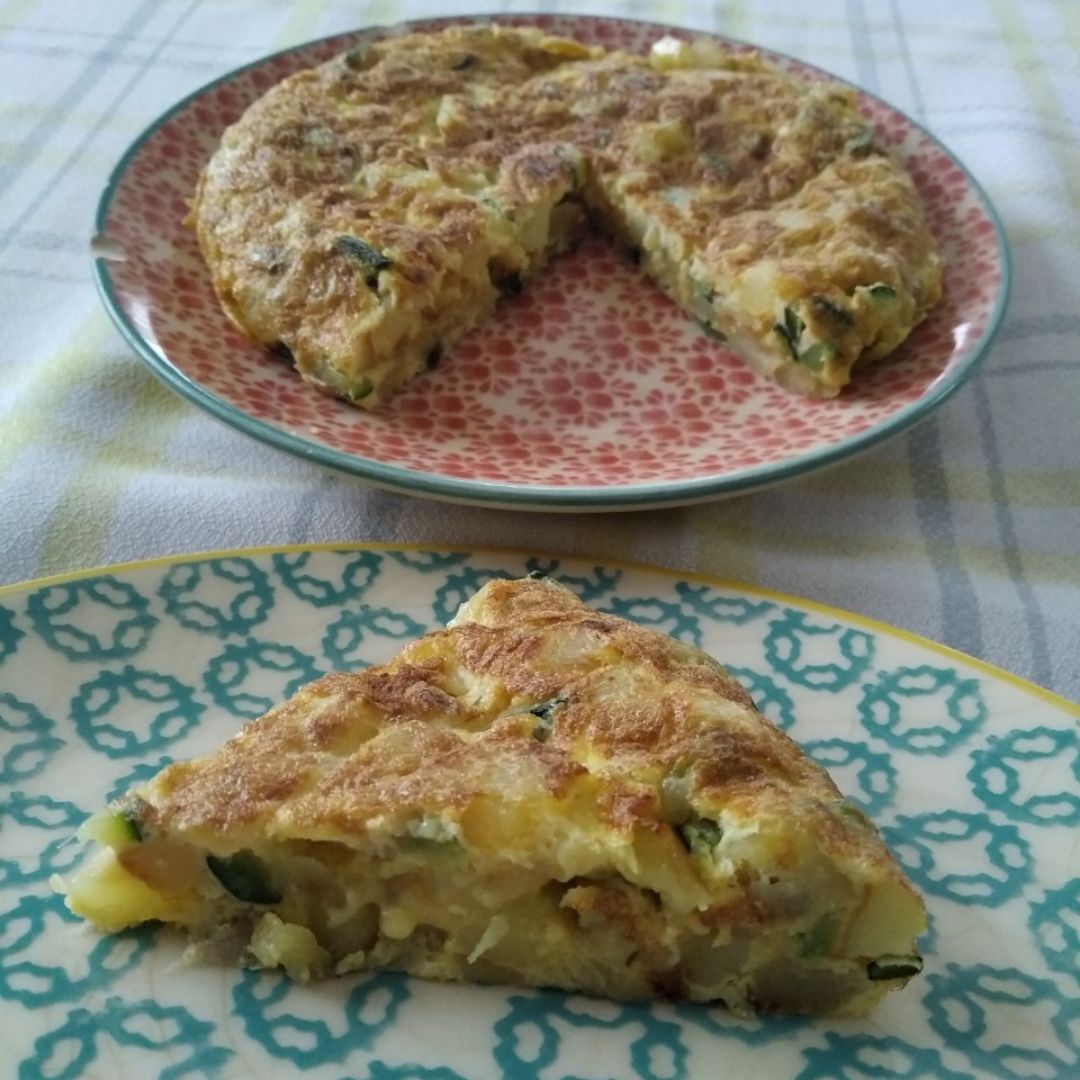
(539, 793)
(463, 160)
(446, 726)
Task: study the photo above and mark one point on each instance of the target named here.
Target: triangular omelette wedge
(541, 795)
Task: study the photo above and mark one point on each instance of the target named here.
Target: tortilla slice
(541, 795)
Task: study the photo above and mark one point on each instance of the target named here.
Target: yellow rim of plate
(1069, 707)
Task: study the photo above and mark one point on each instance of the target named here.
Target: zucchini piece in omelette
(363, 215)
(539, 794)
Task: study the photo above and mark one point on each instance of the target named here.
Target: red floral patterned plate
(590, 391)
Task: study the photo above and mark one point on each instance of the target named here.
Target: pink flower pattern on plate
(591, 379)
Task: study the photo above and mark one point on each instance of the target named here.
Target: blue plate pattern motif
(973, 777)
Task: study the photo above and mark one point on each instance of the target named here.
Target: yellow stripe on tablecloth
(84, 512)
(725, 538)
(1038, 232)
(387, 12)
(49, 383)
(77, 118)
(1032, 73)
(733, 19)
(86, 509)
(15, 12)
(18, 155)
(1045, 489)
(729, 543)
(1068, 12)
(670, 11)
(301, 23)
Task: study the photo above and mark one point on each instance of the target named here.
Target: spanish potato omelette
(539, 794)
(364, 214)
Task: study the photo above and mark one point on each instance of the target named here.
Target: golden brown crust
(631, 706)
(446, 154)
(539, 793)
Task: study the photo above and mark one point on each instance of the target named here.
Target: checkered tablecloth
(966, 529)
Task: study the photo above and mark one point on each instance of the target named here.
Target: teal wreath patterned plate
(973, 775)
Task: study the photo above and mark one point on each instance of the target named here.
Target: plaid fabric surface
(966, 529)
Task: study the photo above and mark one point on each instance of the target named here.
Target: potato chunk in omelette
(539, 794)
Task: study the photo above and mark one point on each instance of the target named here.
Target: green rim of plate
(546, 497)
